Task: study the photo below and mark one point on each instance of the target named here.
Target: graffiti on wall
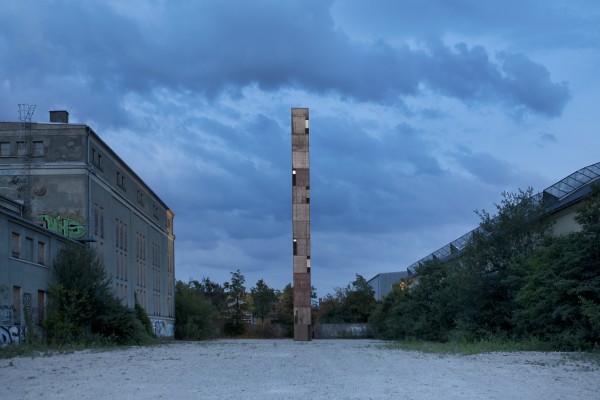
(71, 226)
(11, 335)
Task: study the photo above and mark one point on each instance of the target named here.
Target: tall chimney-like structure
(301, 224)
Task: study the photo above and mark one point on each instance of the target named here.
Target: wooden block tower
(301, 224)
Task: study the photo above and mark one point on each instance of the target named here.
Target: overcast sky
(421, 112)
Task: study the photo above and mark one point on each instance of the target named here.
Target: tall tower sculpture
(301, 223)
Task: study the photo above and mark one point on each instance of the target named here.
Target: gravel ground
(284, 369)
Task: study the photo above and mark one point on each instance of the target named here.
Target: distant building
(383, 283)
(561, 201)
(70, 182)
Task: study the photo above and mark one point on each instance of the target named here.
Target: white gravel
(284, 369)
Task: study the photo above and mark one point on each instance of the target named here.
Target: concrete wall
(343, 331)
(564, 221)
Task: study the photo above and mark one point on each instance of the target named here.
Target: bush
(194, 313)
(82, 307)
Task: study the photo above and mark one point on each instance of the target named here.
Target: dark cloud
(469, 74)
(528, 22)
(486, 167)
(212, 47)
(529, 84)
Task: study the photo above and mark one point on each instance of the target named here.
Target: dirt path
(283, 369)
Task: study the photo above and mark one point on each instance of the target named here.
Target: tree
(560, 299)
(489, 273)
(353, 304)
(473, 295)
(194, 313)
(360, 300)
(81, 304)
(284, 309)
(263, 299)
(213, 292)
(237, 305)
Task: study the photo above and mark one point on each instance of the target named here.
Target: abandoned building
(59, 181)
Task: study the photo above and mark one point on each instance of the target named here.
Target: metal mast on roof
(24, 150)
(25, 114)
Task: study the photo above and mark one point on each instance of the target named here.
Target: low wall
(163, 327)
(343, 331)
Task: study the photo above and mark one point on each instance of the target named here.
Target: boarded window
(22, 148)
(38, 148)
(42, 253)
(16, 245)
(29, 249)
(4, 149)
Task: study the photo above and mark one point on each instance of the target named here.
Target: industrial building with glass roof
(558, 197)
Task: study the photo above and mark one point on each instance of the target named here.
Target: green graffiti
(69, 227)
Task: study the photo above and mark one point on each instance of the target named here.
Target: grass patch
(470, 348)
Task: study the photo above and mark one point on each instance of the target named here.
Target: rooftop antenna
(25, 114)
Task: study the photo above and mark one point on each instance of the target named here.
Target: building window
(101, 218)
(29, 249)
(22, 148)
(121, 234)
(140, 197)
(155, 211)
(295, 247)
(96, 158)
(293, 177)
(38, 148)
(121, 250)
(42, 253)
(16, 245)
(4, 149)
(98, 221)
(120, 180)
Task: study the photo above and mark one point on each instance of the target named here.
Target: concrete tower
(301, 223)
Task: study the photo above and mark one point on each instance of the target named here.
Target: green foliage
(263, 299)
(142, 316)
(426, 311)
(472, 347)
(213, 292)
(284, 309)
(82, 307)
(353, 304)
(560, 299)
(514, 281)
(237, 304)
(194, 313)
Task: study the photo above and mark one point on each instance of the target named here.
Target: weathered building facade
(26, 254)
(301, 223)
(70, 182)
